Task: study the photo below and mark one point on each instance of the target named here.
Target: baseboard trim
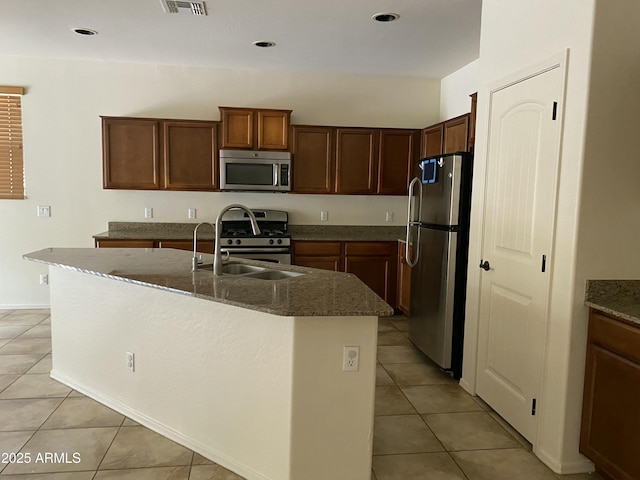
(25, 307)
(162, 429)
(583, 465)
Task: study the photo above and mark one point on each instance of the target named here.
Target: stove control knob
(279, 241)
(271, 241)
(238, 242)
(229, 242)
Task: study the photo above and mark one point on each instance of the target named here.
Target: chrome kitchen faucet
(217, 256)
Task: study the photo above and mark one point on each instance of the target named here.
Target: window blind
(11, 160)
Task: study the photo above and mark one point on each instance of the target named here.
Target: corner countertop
(184, 231)
(315, 293)
(620, 298)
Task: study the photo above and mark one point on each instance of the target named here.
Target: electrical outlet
(389, 216)
(191, 213)
(148, 212)
(44, 211)
(131, 361)
(351, 359)
(324, 216)
(44, 279)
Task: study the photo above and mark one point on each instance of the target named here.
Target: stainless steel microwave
(252, 170)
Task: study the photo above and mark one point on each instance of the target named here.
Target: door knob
(485, 265)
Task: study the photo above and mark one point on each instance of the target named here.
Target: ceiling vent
(183, 8)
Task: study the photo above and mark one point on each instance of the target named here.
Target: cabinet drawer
(316, 248)
(382, 249)
(615, 335)
(204, 246)
(125, 243)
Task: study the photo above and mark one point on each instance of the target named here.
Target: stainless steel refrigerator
(437, 250)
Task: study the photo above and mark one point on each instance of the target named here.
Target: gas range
(273, 244)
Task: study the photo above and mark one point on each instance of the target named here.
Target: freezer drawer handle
(485, 265)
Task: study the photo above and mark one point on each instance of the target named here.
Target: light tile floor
(426, 426)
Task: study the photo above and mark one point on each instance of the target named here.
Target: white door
(522, 166)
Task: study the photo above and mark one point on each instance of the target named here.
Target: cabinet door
(404, 281)
(313, 159)
(397, 156)
(456, 134)
(106, 243)
(237, 128)
(190, 154)
(432, 141)
(356, 160)
(375, 263)
(610, 432)
(273, 129)
(131, 153)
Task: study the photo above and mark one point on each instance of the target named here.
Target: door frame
(470, 361)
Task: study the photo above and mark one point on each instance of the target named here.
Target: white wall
(515, 36)
(455, 90)
(62, 147)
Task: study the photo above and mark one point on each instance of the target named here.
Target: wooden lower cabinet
(323, 255)
(404, 280)
(610, 434)
(374, 263)
(125, 243)
(204, 246)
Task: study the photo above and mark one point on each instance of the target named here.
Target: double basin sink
(260, 273)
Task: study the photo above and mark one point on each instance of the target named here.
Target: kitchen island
(244, 370)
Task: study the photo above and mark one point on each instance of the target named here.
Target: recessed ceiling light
(264, 43)
(385, 17)
(84, 31)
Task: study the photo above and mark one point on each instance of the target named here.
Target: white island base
(263, 395)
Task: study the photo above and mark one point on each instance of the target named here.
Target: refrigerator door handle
(413, 222)
(414, 182)
(407, 246)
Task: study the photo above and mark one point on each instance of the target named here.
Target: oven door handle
(255, 250)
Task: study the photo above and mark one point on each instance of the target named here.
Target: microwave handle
(276, 169)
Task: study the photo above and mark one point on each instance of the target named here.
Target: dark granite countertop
(620, 298)
(184, 231)
(314, 293)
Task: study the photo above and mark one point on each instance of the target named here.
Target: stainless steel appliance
(437, 251)
(272, 245)
(250, 170)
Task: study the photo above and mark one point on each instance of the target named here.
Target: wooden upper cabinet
(190, 153)
(237, 128)
(131, 153)
(159, 154)
(456, 134)
(313, 159)
(472, 121)
(254, 129)
(398, 151)
(432, 141)
(356, 160)
(273, 129)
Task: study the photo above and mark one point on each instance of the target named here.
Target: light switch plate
(324, 216)
(148, 212)
(44, 211)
